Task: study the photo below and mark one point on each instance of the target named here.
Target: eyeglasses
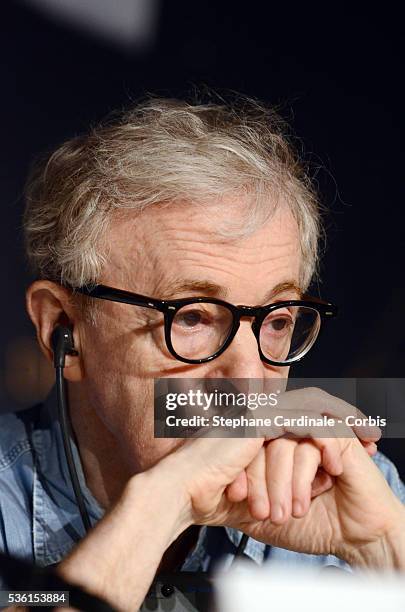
(200, 329)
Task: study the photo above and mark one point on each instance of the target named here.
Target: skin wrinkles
(181, 287)
(231, 265)
(252, 254)
(186, 243)
(115, 395)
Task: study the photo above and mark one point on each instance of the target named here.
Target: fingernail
(297, 507)
(276, 513)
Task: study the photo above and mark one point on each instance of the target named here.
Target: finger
(307, 459)
(331, 450)
(354, 418)
(317, 400)
(370, 447)
(322, 482)
(324, 438)
(237, 491)
(258, 499)
(337, 407)
(279, 474)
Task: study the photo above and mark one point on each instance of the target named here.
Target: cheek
(124, 343)
(119, 381)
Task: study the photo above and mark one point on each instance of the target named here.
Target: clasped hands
(310, 493)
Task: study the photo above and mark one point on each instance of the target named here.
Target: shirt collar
(57, 525)
(254, 549)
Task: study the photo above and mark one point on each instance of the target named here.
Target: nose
(241, 359)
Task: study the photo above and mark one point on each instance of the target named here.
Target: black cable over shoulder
(64, 423)
(242, 545)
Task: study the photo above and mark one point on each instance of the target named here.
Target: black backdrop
(336, 72)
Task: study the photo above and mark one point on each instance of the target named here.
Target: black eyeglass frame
(169, 308)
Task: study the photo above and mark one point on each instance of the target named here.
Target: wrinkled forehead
(154, 251)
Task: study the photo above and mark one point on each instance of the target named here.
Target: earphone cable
(64, 423)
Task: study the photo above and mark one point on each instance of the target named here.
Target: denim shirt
(39, 518)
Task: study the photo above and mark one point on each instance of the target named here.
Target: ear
(48, 305)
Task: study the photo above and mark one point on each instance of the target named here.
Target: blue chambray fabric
(39, 518)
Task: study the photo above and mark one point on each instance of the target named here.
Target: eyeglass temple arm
(329, 309)
(120, 295)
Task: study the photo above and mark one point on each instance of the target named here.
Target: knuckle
(313, 397)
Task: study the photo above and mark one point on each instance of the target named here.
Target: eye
(279, 324)
(190, 318)
(193, 318)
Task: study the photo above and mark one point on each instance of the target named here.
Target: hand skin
(359, 519)
(287, 473)
(123, 572)
(119, 558)
(215, 465)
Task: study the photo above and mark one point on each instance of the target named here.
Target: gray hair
(160, 152)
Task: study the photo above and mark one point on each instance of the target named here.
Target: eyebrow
(210, 289)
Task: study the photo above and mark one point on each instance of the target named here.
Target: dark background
(336, 74)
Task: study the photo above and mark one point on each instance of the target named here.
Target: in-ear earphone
(62, 345)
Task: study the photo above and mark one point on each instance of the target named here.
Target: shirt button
(167, 590)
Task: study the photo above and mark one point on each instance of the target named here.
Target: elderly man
(168, 203)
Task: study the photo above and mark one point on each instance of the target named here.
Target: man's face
(162, 253)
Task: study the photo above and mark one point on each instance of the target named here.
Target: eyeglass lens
(200, 330)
